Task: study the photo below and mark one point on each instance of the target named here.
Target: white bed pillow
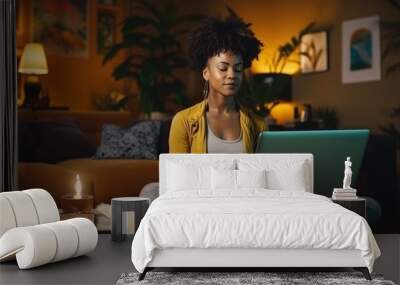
(185, 175)
(293, 179)
(251, 178)
(228, 179)
(223, 179)
(281, 174)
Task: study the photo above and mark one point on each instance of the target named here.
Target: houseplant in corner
(151, 40)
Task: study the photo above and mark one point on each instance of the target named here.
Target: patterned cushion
(138, 141)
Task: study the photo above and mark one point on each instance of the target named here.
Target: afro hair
(214, 36)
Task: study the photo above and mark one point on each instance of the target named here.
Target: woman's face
(224, 72)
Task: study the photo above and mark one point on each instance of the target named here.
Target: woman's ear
(206, 73)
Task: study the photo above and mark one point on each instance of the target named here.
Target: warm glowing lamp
(33, 63)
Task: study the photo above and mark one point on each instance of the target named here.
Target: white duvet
(252, 218)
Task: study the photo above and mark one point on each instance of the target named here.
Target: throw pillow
(53, 141)
(138, 141)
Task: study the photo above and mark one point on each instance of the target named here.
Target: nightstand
(357, 205)
(122, 208)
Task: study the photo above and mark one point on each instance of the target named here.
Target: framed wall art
(314, 52)
(361, 55)
(62, 26)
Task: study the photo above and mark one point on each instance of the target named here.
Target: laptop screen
(330, 150)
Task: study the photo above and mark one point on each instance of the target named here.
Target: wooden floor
(110, 260)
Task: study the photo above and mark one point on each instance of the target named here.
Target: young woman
(221, 50)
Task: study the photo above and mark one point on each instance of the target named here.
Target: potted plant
(151, 39)
(273, 86)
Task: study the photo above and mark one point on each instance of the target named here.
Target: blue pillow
(138, 141)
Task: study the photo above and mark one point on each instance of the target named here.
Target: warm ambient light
(261, 66)
(33, 60)
(283, 112)
(33, 63)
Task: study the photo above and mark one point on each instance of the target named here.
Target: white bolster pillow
(46, 207)
(52, 242)
(24, 211)
(7, 219)
(26, 208)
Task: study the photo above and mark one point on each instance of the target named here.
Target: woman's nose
(231, 73)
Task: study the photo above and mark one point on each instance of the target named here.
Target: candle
(78, 188)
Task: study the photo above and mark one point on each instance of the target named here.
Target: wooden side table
(357, 205)
(74, 207)
(119, 207)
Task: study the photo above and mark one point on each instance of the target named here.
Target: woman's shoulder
(190, 113)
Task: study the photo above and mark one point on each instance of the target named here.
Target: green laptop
(330, 150)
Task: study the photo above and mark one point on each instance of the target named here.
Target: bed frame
(243, 259)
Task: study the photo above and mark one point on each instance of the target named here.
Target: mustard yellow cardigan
(188, 129)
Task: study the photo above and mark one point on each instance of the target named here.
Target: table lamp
(33, 63)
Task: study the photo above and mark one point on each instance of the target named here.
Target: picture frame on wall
(62, 26)
(106, 30)
(314, 52)
(361, 54)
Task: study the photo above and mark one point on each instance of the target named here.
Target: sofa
(56, 145)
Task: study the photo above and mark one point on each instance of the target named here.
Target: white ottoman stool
(30, 230)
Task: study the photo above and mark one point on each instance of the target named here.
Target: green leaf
(123, 70)
(133, 22)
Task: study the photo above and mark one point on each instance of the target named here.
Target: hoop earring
(205, 89)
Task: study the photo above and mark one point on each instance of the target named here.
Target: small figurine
(347, 174)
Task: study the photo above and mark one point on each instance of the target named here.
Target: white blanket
(253, 218)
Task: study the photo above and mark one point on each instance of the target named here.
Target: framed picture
(106, 34)
(314, 52)
(62, 26)
(361, 55)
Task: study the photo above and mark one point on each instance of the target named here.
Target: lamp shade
(33, 60)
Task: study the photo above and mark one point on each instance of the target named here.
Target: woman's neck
(219, 104)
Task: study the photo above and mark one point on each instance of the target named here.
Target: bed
(247, 210)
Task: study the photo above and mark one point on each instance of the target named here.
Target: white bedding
(252, 218)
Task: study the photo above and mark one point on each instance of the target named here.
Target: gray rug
(243, 278)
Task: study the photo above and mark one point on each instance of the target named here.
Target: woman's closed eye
(237, 69)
